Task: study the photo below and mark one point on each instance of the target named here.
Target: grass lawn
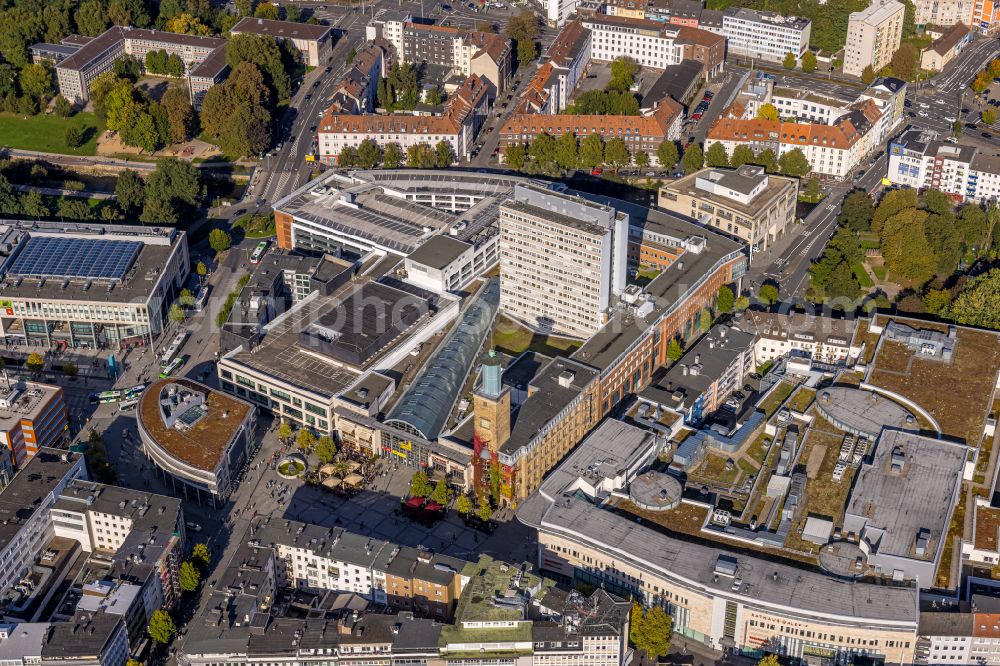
(255, 226)
(962, 408)
(861, 274)
(770, 404)
(758, 450)
(880, 271)
(801, 400)
(47, 133)
(714, 470)
(512, 338)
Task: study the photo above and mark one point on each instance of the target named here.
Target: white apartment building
(25, 509)
(649, 43)
(873, 35)
(561, 260)
(445, 263)
(807, 105)
(764, 35)
(824, 339)
(943, 12)
(315, 558)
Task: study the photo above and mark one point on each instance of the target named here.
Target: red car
(597, 171)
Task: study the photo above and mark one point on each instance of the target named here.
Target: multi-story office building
(562, 260)
(25, 507)
(459, 125)
(746, 203)
(919, 160)
(196, 438)
(873, 35)
(313, 42)
(32, 416)
(764, 35)
(76, 72)
(652, 43)
(985, 16)
(554, 83)
(67, 285)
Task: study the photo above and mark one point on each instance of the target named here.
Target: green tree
(304, 440)
(543, 151)
(725, 300)
(716, 155)
(741, 304)
(444, 154)
(857, 211)
(176, 182)
(186, 24)
(674, 350)
(616, 153)
(808, 62)
(264, 53)
(161, 627)
(70, 370)
(180, 115)
(421, 156)
(515, 155)
(565, 152)
(176, 313)
(236, 114)
(789, 61)
(368, 155)
(989, 116)
(937, 301)
(157, 211)
(419, 485)
(73, 209)
(742, 154)
(978, 304)
(642, 159)
(812, 189)
(347, 157)
(693, 159)
(666, 154)
(326, 450)
(768, 293)
(433, 96)
(794, 163)
(91, 18)
(484, 512)
(285, 432)
(201, 269)
(266, 10)
(591, 151)
(767, 159)
(392, 157)
(705, 320)
(769, 660)
(62, 107)
(767, 112)
(34, 205)
(650, 631)
(219, 240)
(523, 29)
(36, 82)
(623, 71)
(351, 55)
(441, 494)
(74, 137)
(201, 556)
(186, 298)
(464, 505)
(867, 74)
(188, 577)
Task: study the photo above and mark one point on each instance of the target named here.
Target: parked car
(194, 527)
(596, 171)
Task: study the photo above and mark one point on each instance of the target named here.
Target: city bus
(170, 353)
(172, 367)
(133, 391)
(105, 397)
(128, 405)
(258, 252)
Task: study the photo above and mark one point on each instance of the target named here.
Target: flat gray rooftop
(896, 505)
(862, 412)
(774, 585)
(27, 490)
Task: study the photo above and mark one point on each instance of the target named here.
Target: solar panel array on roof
(44, 256)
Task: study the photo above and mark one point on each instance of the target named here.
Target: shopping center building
(88, 285)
